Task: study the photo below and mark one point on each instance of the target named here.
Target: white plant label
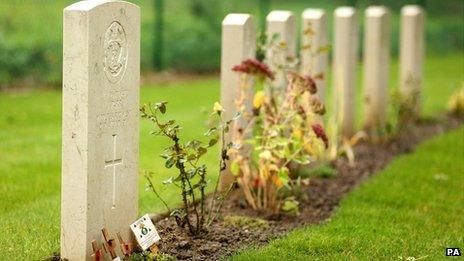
(145, 232)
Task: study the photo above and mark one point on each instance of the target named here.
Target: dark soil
(324, 196)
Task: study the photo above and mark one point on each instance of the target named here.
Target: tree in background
(264, 8)
(351, 2)
(422, 3)
(207, 11)
(159, 35)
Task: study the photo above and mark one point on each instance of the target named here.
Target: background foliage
(31, 32)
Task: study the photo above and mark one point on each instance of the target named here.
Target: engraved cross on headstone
(112, 164)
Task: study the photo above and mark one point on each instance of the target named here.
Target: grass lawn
(30, 153)
(414, 208)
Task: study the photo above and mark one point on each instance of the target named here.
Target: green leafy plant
(286, 130)
(245, 222)
(291, 205)
(407, 104)
(149, 256)
(323, 170)
(191, 175)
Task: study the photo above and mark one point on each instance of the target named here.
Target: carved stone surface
(115, 47)
(100, 133)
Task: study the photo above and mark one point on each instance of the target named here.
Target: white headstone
(345, 68)
(376, 65)
(238, 44)
(412, 47)
(314, 43)
(101, 71)
(281, 24)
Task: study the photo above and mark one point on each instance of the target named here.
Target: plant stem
(202, 195)
(222, 167)
(181, 168)
(156, 193)
(195, 210)
(226, 195)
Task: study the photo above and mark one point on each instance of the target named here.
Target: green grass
(414, 208)
(30, 151)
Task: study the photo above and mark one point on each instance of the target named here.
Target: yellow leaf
(297, 133)
(309, 149)
(258, 100)
(265, 155)
(235, 168)
(218, 107)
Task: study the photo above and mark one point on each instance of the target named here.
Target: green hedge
(31, 33)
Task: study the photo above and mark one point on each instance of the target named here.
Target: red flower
(255, 67)
(320, 133)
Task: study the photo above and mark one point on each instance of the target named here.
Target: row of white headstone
(101, 77)
(238, 44)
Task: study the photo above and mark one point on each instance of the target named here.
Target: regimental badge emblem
(115, 52)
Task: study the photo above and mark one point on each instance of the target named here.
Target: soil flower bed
(241, 227)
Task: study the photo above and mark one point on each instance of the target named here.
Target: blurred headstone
(281, 29)
(376, 66)
(345, 63)
(238, 44)
(412, 46)
(314, 47)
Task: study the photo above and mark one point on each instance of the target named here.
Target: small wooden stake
(97, 252)
(126, 248)
(110, 243)
(154, 249)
